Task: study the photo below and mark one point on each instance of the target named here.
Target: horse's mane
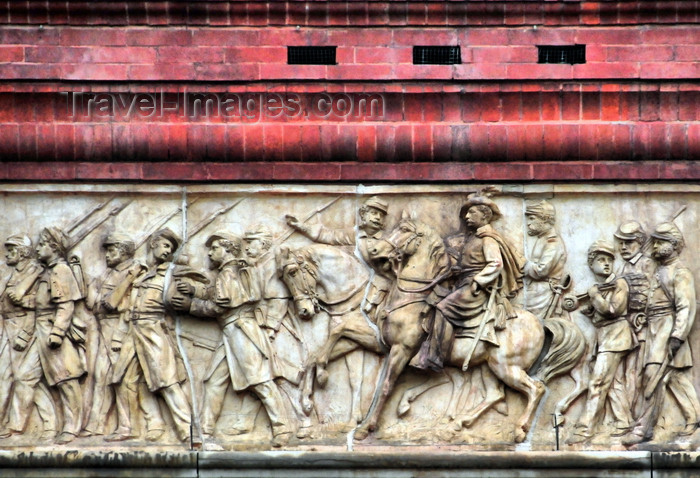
(435, 243)
(307, 255)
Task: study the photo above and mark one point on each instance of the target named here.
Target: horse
(329, 279)
(420, 260)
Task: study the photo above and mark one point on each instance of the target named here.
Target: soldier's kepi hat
(630, 231)
(539, 208)
(58, 237)
(258, 231)
(117, 238)
(377, 203)
(602, 246)
(667, 231)
(18, 240)
(168, 235)
(226, 236)
(478, 200)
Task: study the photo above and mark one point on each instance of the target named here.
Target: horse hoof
(502, 408)
(304, 432)
(360, 434)
(321, 377)
(468, 422)
(307, 405)
(404, 407)
(446, 435)
(520, 435)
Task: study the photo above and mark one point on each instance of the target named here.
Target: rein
(312, 295)
(398, 267)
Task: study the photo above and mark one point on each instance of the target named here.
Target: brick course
(635, 100)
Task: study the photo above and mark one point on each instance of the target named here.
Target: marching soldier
(637, 269)
(53, 353)
(17, 304)
(246, 360)
(670, 316)
(614, 340)
(147, 351)
(109, 300)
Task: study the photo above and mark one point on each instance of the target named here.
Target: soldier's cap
(479, 200)
(540, 208)
(602, 246)
(117, 238)
(18, 240)
(258, 231)
(377, 203)
(58, 237)
(225, 235)
(168, 235)
(629, 231)
(667, 231)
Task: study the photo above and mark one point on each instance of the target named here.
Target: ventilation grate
(311, 55)
(436, 55)
(568, 54)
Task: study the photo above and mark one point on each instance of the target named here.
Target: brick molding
(350, 172)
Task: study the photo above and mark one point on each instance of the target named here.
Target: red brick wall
(636, 98)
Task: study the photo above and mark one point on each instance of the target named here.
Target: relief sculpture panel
(486, 317)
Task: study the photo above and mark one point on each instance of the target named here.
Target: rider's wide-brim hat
(481, 201)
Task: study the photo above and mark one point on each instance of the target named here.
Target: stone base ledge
(347, 464)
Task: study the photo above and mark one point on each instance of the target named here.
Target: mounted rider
(487, 273)
(370, 230)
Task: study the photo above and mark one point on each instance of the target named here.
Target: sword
(486, 318)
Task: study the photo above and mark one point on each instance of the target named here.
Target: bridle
(309, 290)
(396, 258)
(310, 294)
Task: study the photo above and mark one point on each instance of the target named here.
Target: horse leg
(355, 375)
(581, 375)
(494, 393)
(343, 339)
(323, 356)
(414, 392)
(307, 389)
(398, 358)
(517, 378)
(456, 397)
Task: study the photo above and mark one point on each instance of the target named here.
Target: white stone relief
(253, 317)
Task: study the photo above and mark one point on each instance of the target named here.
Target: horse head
(299, 273)
(412, 244)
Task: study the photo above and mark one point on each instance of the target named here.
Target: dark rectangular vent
(311, 55)
(567, 54)
(436, 55)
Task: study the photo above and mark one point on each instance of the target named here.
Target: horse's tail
(567, 346)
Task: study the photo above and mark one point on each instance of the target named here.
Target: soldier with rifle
(148, 351)
(637, 269)
(108, 297)
(246, 360)
(52, 353)
(670, 315)
(17, 306)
